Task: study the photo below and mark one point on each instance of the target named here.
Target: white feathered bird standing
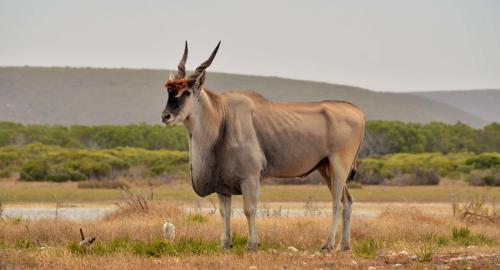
(169, 230)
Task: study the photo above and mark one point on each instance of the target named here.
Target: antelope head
(181, 89)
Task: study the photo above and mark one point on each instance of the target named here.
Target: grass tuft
(239, 244)
(463, 236)
(367, 248)
(197, 218)
(443, 241)
(25, 244)
(424, 254)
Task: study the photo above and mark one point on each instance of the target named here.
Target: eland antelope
(238, 138)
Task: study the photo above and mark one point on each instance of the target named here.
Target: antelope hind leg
(338, 172)
(346, 221)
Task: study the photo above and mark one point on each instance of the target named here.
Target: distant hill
(120, 96)
(483, 103)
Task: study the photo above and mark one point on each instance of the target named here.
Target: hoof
(344, 248)
(226, 246)
(327, 248)
(252, 247)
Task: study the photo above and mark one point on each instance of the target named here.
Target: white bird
(169, 230)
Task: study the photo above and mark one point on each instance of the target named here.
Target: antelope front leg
(250, 192)
(225, 213)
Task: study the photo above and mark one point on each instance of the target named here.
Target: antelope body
(238, 138)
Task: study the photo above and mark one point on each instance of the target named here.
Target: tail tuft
(351, 175)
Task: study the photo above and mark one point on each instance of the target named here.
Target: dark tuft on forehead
(177, 85)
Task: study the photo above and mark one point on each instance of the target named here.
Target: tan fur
(266, 139)
(238, 138)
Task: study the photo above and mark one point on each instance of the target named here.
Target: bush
(58, 177)
(484, 161)
(426, 177)
(35, 170)
(37, 162)
(418, 177)
(372, 169)
(484, 178)
(51, 163)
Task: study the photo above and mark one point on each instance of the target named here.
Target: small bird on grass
(168, 230)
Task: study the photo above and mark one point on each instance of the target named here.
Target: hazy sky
(382, 45)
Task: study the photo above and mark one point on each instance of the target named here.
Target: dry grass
(395, 229)
(130, 238)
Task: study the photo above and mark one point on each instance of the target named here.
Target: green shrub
(423, 168)
(37, 162)
(76, 175)
(35, 170)
(58, 177)
(8, 156)
(484, 161)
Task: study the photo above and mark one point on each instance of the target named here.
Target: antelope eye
(186, 93)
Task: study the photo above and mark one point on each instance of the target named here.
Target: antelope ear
(198, 82)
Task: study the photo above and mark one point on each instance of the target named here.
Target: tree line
(381, 137)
